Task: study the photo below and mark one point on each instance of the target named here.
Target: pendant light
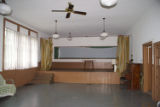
(108, 3)
(55, 35)
(69, 38)
(4, 8)
(104, 34)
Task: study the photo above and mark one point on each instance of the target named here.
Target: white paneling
(86, 41)
(82, 60)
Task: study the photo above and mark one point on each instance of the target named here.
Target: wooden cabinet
(133, 75)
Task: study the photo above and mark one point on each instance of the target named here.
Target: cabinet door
(136, 76)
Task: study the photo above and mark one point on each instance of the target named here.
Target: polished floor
(77, 95)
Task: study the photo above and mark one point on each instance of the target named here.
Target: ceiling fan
(70, 10)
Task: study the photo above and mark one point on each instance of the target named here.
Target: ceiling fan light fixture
(104, 34)
(69, 38)
(108, 3)
(5, 9)
(55, 36)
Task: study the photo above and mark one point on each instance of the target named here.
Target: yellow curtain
(122, 53)
(46, 54)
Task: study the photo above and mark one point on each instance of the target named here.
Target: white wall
(86, 41)
(40, 34)
(146, 29)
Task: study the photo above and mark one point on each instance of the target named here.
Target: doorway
(147, 67)
(156, 73)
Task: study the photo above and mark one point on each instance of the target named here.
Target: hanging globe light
(55, 35)
(104, 34)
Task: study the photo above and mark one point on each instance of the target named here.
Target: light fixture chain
(104, 27)
(55, 26)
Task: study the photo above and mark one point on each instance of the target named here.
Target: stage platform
(84, 77)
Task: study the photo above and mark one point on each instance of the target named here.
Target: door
(147, 67)
(156, 73)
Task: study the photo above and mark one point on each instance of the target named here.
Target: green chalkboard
(56, 52)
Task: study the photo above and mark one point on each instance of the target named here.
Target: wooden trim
(157, 44)
(156, 73)
(4, 24)
(148, 43)
(29, 32)
(35, 68)
(20, 77)
(5, 19)
(18, 28)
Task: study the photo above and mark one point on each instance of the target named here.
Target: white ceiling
(120, 18)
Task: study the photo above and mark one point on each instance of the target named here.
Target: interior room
(79, 53)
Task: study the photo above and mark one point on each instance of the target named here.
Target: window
(21, 51)
(11, 45)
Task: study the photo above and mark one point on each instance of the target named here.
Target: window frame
(5, 20)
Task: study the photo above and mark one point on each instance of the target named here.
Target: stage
(84, 77)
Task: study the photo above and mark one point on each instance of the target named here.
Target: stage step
(42, 78)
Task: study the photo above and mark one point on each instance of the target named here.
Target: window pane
(11, 45)
(23, 51)
(34, 52)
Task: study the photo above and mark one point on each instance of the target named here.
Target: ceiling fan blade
(70, 6)
(79, 12)
(68, 15)
(58, 10)
(3, 1)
